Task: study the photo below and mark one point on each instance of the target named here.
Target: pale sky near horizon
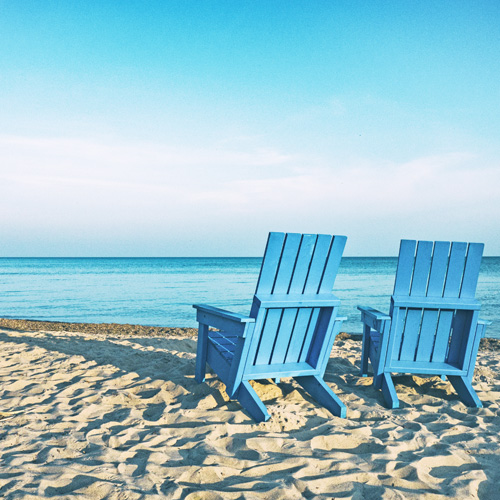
(193, 128)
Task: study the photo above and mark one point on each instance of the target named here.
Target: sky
(195, 127)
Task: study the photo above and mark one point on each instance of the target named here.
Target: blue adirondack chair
(291, 327)
(432, 327)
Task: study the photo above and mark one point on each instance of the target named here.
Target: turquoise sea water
(161, 291)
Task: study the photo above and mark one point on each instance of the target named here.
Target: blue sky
(186, 128)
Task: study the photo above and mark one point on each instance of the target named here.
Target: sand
(107, 415)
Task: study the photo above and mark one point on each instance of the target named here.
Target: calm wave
(161, 291)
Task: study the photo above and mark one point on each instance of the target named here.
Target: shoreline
(95, 328)
(487, 344)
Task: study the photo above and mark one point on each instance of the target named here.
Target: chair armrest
(222, 313)
(373, 318)
(222, 319)
(482, 324)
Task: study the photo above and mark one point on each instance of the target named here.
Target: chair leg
(465, 391)
(250, 401)
(320, 391)
(201, 353)
(365, 351)
(389, 391)
(377, 381)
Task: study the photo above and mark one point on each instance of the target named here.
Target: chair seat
(224, 343)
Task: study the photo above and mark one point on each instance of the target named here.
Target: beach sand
(114, 412)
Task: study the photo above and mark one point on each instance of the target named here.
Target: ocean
(161, 291)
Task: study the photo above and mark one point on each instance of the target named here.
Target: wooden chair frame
(433, 327)
(291, 327)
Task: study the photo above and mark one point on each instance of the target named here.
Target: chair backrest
(301, 269)
(433, 306)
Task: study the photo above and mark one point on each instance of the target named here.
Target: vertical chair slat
(422, 269)
(332, 265)
(298, 334)
(404, 272)
(427, 335)
(438, 269)
(283, 336)
(442, 336)
(460, 333)
(325, 323)
(303, 263)
(410, 335)
(287, 263)
(455, 269)
(269, 268)
(270, 263)
(394, 345)
(321, 252)
(471, 273)
(267, 336)
(311, 330)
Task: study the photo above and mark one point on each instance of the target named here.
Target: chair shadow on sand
(163, 359)
(171, 352)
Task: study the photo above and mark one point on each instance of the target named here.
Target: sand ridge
(121, 417)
